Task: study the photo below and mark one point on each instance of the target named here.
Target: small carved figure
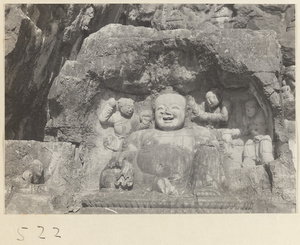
(213, 111)
(258, 148)
(35, 173)
(122, 120)
(254, 121)
(146, 117)
(27, 176)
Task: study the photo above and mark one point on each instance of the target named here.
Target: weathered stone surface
(268, 88)
(287, 38)
(279, 18)
(249, 181)
(177, 16)
(135, 59)
(61, 171)
(54, 34)
(283, 181)
(38, 40)
(22, 37)
(289, 76)
(30, 204)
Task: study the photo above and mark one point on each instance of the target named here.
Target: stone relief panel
(161, 118)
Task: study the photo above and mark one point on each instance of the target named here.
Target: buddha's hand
(125, 178)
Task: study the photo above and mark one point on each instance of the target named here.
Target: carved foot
(163, 185)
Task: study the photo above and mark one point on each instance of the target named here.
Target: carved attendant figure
(121, 118)
(122, 121)
(258, 148)
(213, 111)
(146, 118)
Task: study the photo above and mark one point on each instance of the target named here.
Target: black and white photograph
(150, 109)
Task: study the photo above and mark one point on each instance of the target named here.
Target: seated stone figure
(35, 173)
(169, 158)
(258, 147)
(213, 111)
(122, 120)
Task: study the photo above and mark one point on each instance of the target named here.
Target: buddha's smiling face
(170, 111)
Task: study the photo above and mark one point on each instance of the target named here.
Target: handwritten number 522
(22, 238)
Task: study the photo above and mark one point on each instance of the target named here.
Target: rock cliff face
(38, 40)
(132, 61)
(63, 62)
(48, 35)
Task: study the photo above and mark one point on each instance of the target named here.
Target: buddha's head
(170, 111)
(251, 108)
